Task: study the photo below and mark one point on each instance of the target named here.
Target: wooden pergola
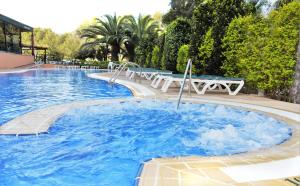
(36, 48)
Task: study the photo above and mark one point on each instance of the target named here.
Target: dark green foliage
(201, 21)
(161, 43)
(176, 35)
(182, 58)
(206, 49)
(179, 8)
(144, 48)
(155, 60)
(215, 14)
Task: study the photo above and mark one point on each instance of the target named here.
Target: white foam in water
(249, 131)
(217, 129)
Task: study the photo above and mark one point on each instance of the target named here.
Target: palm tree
(110, 31)
(137, 30)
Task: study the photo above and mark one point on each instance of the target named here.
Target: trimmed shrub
(176, 36)
(182, 59)
(155, 57)
(263, 50)
(206, 49)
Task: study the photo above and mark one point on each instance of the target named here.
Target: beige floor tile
(206, 164)
(168, 182)
(165, 172)
(177, 166)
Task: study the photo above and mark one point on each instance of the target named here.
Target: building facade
(11, 55)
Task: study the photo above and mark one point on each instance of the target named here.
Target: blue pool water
(106, 144)
(24, 92)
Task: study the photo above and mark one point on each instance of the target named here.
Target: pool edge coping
(239, 159)
(272, 111)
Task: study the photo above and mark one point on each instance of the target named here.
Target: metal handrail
(188, 68)
(121, 68)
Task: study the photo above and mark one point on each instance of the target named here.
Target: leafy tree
(155, 57)
(69, 45)
(176, 36)
(144, 48)
(263, 49)
(182, 59)
(110, 31)
(206, 49)
(200, 23)
(215, 14)
(179, 8)
(148, 60)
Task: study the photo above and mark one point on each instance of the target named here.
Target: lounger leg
(196, 87)
(154, 81)
(158, 82)
(132, 75)
(237, 90)
(166, 85)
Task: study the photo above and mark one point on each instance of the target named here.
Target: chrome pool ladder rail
(187, 69)
(121, 68)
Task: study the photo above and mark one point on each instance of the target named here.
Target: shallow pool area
(106, 144)
(27, 91)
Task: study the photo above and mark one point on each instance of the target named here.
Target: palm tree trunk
(106, 51)
(130, 51)
(296, 87)
(115, 50)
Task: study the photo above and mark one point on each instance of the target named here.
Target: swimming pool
(106, 144)
(27, 91)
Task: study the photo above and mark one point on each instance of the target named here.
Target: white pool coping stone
(264, 171)
(14, 71)
(137, 89)
(39, 121)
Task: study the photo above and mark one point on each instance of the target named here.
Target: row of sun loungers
(200, 84)
(147, 73)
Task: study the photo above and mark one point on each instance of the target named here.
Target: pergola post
(32, 43)
(4, 30)
(45, 56)
(20, 42)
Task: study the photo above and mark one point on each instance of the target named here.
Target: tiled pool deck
(279, 165)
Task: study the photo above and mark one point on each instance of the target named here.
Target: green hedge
(263, 50)
(176, 35)
(182, 59)
(155, 57)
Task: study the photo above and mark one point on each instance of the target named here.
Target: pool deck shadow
(250, 168)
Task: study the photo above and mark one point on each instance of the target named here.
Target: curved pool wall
(33, 89)
(93, 145)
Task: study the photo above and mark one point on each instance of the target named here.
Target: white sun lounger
(112, 66)
(147, 73)
(201, 83)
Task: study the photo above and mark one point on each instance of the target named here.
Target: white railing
(121, 68)
(188, 69)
